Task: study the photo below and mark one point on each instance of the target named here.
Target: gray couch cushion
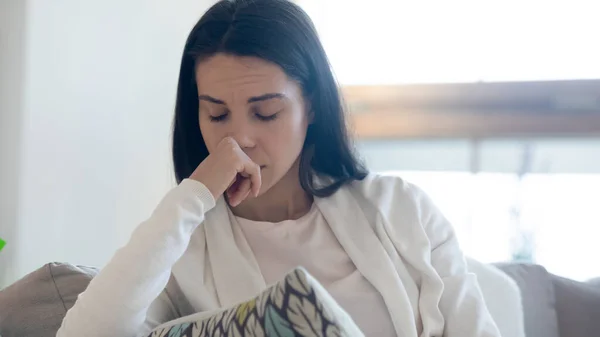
(36, 304)
(537, 294)
(578, 307)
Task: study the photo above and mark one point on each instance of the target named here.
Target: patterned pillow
(296, 306)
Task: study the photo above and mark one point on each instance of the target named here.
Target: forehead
(229, 77)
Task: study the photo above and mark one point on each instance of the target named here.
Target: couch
(523, 299)
(555, 306)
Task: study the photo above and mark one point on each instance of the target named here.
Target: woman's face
(254, 102)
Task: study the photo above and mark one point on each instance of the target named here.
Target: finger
(233, 181)
(241, 193)
(254, 171)
(241, 198)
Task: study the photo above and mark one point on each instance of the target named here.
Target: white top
(189, 257)
(310, 243)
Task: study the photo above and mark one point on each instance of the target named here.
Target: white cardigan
(390, 229)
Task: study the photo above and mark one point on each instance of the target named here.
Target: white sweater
(392, 232)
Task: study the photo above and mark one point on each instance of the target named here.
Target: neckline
(267, 224)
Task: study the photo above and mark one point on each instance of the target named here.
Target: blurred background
(492, 107)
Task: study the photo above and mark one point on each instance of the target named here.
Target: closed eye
(219, 118)
(267, 118)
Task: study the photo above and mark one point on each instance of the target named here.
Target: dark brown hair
(280, 32)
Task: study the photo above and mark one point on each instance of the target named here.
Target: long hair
(280, 32)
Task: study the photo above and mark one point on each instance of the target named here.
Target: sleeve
(160, 311)
(127, 297)
(462, 304)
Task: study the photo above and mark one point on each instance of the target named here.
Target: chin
(270, 180)
(265, 187)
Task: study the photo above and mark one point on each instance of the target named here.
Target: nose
(241, 131)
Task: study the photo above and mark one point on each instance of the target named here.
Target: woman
(268, 181)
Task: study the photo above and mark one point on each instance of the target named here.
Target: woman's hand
(229, 170)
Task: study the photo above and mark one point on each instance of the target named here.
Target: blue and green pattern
(289, 308)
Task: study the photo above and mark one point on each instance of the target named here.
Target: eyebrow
(210, 99)
(265, 97)
(254, 99)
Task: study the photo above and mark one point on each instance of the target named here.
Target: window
(532, 200)
(468, 99)
(417, 41)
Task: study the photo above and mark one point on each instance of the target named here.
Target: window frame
(569, 108)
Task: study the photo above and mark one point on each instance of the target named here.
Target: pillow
(578, 307)
(296, 306)
(537, 293)
(36, 304)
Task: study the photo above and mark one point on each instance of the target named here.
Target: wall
(99, 91)
(12, 49)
